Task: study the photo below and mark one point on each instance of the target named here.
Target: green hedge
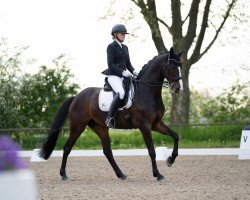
(200, 136)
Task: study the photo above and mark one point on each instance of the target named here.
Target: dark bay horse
(146, 113)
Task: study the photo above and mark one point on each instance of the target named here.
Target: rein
(165, 84)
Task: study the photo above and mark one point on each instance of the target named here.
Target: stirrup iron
(109, 122)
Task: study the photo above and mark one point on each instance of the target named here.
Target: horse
(146, 113)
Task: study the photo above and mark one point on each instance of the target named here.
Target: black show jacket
(118, 59)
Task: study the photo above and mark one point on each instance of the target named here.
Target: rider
(119, 66)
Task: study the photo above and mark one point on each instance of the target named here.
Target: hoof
(64, 178)
(160, 178)
(123, 177)
(169, 162)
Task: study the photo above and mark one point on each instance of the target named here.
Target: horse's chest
(160, 110)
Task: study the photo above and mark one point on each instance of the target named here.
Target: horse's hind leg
(102, 132)
(164, 129)
(75, 132)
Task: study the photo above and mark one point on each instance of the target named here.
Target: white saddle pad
(105, 100)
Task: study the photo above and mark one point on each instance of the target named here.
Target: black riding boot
(110, 122)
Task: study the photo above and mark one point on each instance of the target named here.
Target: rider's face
(121, 36)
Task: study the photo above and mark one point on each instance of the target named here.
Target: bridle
(176, 64)
(167, 83)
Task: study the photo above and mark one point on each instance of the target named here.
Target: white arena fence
(161, 153)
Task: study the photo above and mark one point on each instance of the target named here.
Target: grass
(221, 136)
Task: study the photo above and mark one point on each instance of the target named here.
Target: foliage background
(31, 100)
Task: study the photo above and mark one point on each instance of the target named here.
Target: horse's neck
(152, 76)
(153, 72)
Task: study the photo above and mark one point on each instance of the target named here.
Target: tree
(186, 35)
(41, 94)
(231, 106)
(31, 100)
(10, 61)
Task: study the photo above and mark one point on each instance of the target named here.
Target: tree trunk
(181, 102)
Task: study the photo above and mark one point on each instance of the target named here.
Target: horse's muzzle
(177, 90)
(176, 87)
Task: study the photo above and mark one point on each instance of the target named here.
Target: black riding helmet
(119, 28)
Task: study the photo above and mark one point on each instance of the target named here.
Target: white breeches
(116, 84)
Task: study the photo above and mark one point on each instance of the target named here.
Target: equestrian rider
(119, 66)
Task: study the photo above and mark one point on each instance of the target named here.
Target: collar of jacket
(118, 43)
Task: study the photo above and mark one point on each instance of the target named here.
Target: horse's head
(172, 71)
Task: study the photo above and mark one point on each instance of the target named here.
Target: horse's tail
(55, 129)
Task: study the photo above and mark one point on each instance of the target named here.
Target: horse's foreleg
(162, 128)
(147, 136)
(102, 132)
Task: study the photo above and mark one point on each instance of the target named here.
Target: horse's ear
(180, 53)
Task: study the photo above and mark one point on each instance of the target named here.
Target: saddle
(107, 93)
